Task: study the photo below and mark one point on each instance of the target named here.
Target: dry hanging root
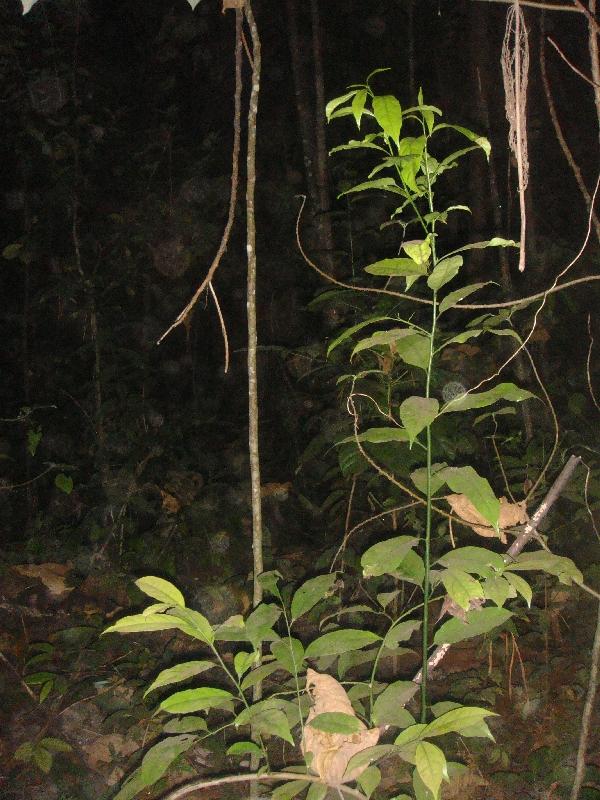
(515, 74)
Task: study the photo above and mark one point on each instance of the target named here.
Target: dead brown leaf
(511, 514)
(331, 752)
(51, 575)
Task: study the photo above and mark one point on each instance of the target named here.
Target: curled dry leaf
(331, 752)
(511, 514)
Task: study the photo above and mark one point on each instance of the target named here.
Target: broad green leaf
(417, 413)
(503, 391)
(452, 298)
(12, 251)
(463, 337)
(461, 587)
(388, 113)
(411, 150)
(289, 652)
(189, 724)
(269, 580)
(310, 593)
(336, 722)
(42, 758)
(45, 691)
(369, 780)
(160, 757)
(288, 790)
(457, 720)
(338, 101)
(272, 722)
(401, 632)
(421, 791)
(317, 791)
(479, 621)
(259, 674)
(464, 480)
(352, 330)
(140, 623)
(55, 745)
(419, 477)
(418, 249)
(340, 641)
(385, 184)
(520, 585)
(241, 748)
(64, 483)
(195, 700)
(473, 559)
(383, 339)
(180, 672)
(430, 762)
(382, 558)
(132, 786)
(480, 141)
(396, 267)
(378, 436)
(411, 569)
(495, 242)
(444, 271)
(243, 661)
(498, 590)
(358, 105)
(195, 624)
(260, 622)
(368, 756)
(367, 143)
(564, 569)
(414, 350)
(388, 708)
(161, 590)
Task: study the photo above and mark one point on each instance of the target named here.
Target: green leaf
(195, 700)
(269, 580)
(12, 251)
(336, 722)
(259, 674)
(564, 569)
(453, 298)
(42, 758)
(160, 757)
(243, 661)
(480, 141)
(45, 691)
(498, 590)
(444, 271)
(461, 587)
(55, 745)
(419, 477)
(383, 558)
(288, 790)
(430, 762)
(411, 569)
(289, 652)
(419, 250)
(358, 105)
(338, 101)
(34, 437)
(189, 724)
(260, 622)
(132, 786)
(64, 483)
(180, 672)
(463, 337)
(340, 641)
(464, 480)
(24, 752)
(388, 708)
(352, 330)
(401, 632)
(273, 722)
(495, 242)
(143, 623)
(385, 184)
(388, 113)
(421, 791)
(317, 791)
(378, 436)
(473, 559)
(503, 391)
(369, 780)
(193, 623)
(417, 413)
(396, 267)
(310, 593)
(520, 585)
(368, 756)
(382, 339)
(479, 621)
(458, 720)
(241, 748)
(414, 350)
(161, 590)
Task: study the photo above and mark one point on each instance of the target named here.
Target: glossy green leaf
(369, 755)
(479, 621)
(383, 184)
(336, 722)
(417, 413)
(161, 590)
(358, 105)
(369, 780)
(388, 708)
(411, 569)
(383, 557)
(396, 267)
(336, 642)
(194, 624)
(140, 623)
(480, 141)
(388, 113)
(479, 560)
(455, 297)
(191, 700)
(461, 587)
(311, 592)
(160, 757)
(560, 566)
(180, 672)
(444, 271)
(457, 720)
(519, 585)
(419, 250)
(243, 661)
(419, 477)
(242, 748)
(338, 101)
(498, 590)
(430, 762)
